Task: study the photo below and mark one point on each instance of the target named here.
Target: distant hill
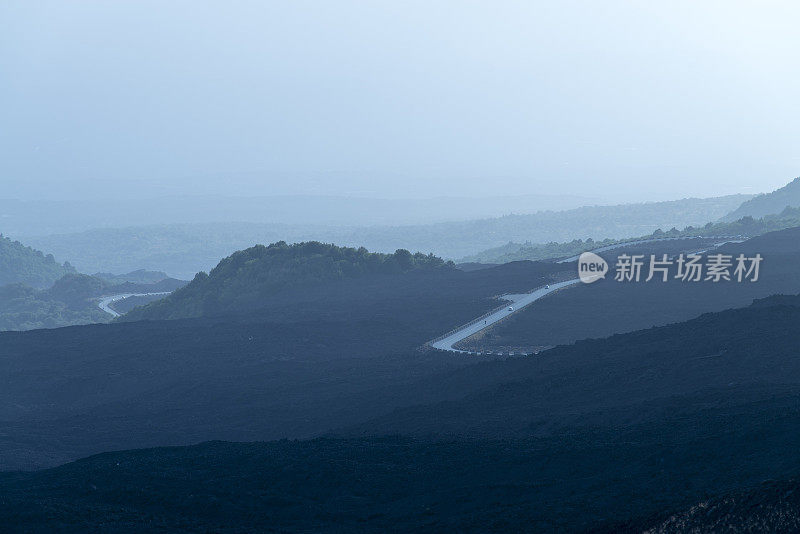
(140, 276)
(248, 279)
(744, 227)
(22, 264)
(26, 218)
(768, 203)
(185, 249)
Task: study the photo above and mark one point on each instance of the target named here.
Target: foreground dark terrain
(773, 506)
(311, 359)
(615, 434)
(586, 482)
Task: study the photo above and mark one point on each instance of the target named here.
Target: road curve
(105, 301)
(516, 302)
(725, 238)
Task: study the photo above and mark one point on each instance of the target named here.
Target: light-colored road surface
(517, 302)
(725, 239)
(105, 301)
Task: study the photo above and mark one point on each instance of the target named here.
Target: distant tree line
(745, 226)
(247, 278)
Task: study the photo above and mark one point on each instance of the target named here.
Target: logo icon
(591, 267)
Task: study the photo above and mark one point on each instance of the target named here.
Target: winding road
(518, 302)
(105, 301)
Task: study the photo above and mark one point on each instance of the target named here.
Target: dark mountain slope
(75, 391)
(773, 506)
(599, 480)
(619, 380)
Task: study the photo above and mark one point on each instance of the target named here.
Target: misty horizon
(619, 101)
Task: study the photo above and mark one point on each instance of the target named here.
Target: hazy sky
(623, 100)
